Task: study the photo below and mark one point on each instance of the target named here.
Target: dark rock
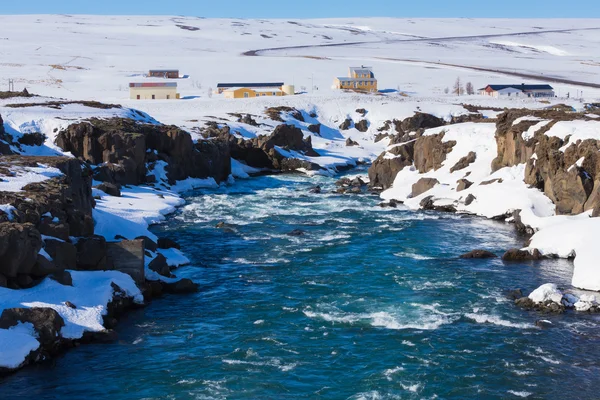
(3, 281)
(19, 248)
(392, 204)
(421, 121)
(297, 232)
(464, 162)
(92, 254)
(315, 189)
(522, 255)
(463, 184)
(57, 230)
(361, 111)
(470, 199)
(525, 302)
(43, 267)
(62, 277)
(24, 281)
(497, 180)
(70, 305)
(64, 254)
(479, 254)
(543, 323)
(149, 244)
(362, 125)
(181, 287)
(347, 124)
(315, 128)
(32, 139)
(515, 294)
(127, 256)
(520, 226)
(167, 243)
(160, 266)
(46, 321)
(350, 142)
(423, 185)
(110, 189)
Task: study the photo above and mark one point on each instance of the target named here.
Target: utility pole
(11, 85)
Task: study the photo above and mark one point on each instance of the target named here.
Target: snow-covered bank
(466, 182)
(81, 307)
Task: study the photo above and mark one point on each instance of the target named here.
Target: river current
(368, 303)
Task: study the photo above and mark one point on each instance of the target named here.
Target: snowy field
(415, 60)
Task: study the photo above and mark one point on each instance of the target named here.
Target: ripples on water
(369, 304)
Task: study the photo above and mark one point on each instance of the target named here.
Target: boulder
(64, 254)
(127, 256)
(479, 254)
(46, 321)
(110, 189)
(92, 254)
(315, 190)
(515, 294)
(470, 199)
(315, 128)
(522, 255)
(423, 185)
(43, 267)
(362, 125)
(347, 124)
(297, 232)
(463, 184)
(464, 162)
(182, 286)
(167, 243)
(160, 266)
(421, 121)
(149, 244)
(19, 248)
(32, 139)
(350, 143)
(361, 111)
(62, 277)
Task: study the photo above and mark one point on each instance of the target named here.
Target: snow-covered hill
(95, 57)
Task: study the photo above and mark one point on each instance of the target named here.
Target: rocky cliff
(123, 149)
(567, 171)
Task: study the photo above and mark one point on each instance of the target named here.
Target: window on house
(257, 95)
(168, 96)
(153, 97)
(246, 94)
(138, 96)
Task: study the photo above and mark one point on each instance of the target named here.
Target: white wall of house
(509, 92)
(153, 93)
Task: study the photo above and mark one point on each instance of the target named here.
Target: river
(368, 303)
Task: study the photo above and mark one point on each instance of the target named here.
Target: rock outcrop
(574, 187)
(124, 147)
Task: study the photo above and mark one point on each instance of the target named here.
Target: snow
(91, 292)
(541, 48)
(241, 170)
(575, 130)
(574, 236)
(16, 343)
(23, 176)
(8, 209)
(546, 292)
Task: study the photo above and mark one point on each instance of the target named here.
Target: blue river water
(369, 303)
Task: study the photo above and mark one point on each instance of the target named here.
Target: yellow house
(252, 90)
(359, 79)
(153, 91)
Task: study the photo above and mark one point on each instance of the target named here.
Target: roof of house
(256, 89)
(346, 79)
(249, 85)
(520, 87)
(153, 84)
(164, 70)
(362, 70)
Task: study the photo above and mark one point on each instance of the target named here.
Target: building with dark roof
(519, 90)
(164, 73)
(221, 87)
